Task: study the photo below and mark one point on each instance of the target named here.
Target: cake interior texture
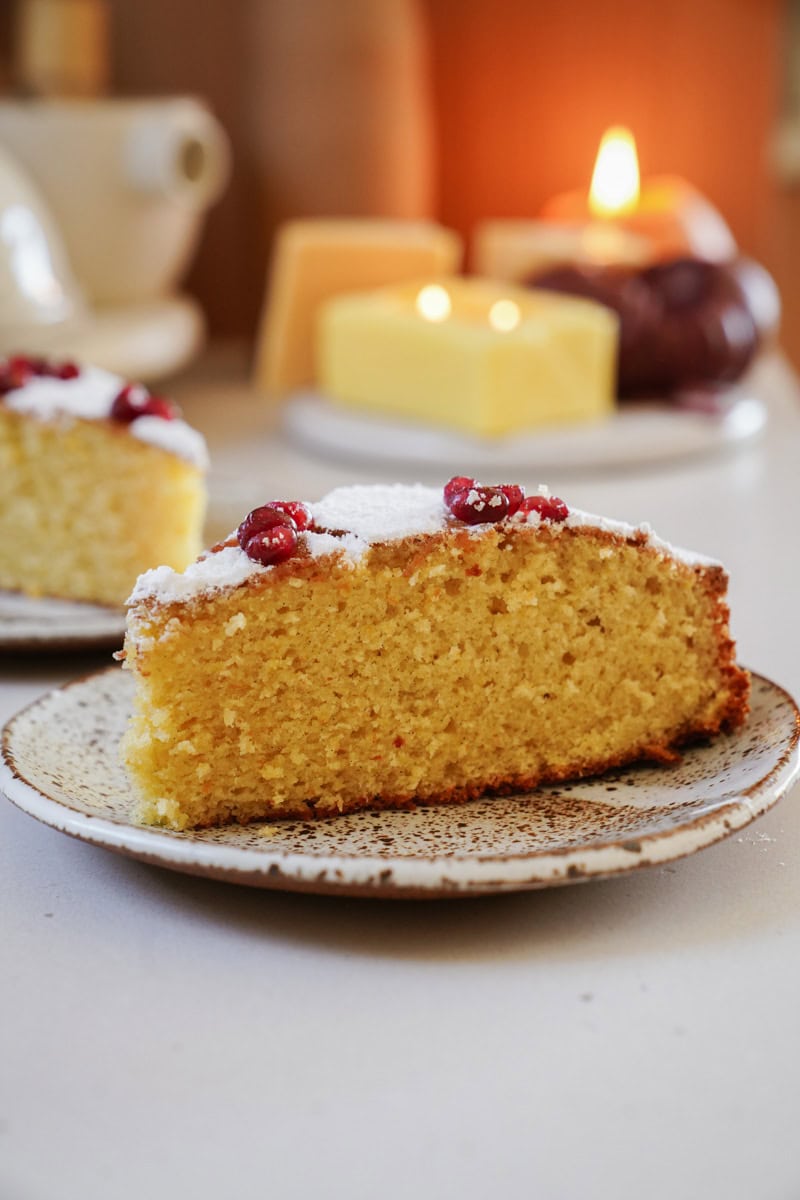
(86, 508)
(436, 669)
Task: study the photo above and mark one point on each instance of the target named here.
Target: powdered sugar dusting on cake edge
(227, 568)
(382, 512)
(89, 396)
(363, 516)
(349, 545)
(577, 519)
(175, 437)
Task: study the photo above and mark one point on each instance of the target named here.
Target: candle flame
(615, 181)
(434, 303)
(504, 315)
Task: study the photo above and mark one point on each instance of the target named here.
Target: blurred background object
(315, 260)
(62, 47)
(339, 107)
(37, 286)
(128, 181)
(126, 184)
(460, 111)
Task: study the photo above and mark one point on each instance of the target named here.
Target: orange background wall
(524, 91)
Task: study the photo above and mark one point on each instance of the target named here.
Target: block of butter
(314, 260)
(469, 354)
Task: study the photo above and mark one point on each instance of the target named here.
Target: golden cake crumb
(433, 669)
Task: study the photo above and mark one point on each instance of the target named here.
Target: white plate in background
(637, 434)
(29, 623)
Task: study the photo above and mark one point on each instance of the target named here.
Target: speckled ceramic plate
(637, 434)
(33, 624)
(60, 763)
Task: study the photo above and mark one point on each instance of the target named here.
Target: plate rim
(398, 876)
(58, 640)
(300, 422)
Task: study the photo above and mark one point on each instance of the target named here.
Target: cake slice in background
(391, 645)
(99, 481)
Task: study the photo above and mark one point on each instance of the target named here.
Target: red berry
(479, 505)
(549, 508)
(157, 406)
(135, 401)
(130, 403)
(25, 365)
(19, 368)
(300, 513)
(66, 370)
(459, 483)
(15, 372)
(9, 382)
(261, 519)
(272, 545)
(514, 494)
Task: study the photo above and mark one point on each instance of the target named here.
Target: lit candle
(520, 250)
(666, 210)
(618, 221)
(615, 186)
(469, 354)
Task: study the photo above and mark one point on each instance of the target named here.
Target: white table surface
(164, 1036)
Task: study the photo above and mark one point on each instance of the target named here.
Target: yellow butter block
(314, 260)
(470, 354)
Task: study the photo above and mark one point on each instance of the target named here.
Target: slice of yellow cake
(99, 480)
(390, 645)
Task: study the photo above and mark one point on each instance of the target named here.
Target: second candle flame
(433, 303)
(504, 315)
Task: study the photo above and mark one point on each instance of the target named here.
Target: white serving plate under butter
(637, 434)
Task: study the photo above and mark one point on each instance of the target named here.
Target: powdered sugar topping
(176, 437)
(383, 512)
(89, 397)
(364, 516)
(228, 568)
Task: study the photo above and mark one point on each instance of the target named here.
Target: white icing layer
(382, 513)
(89, 397)
(176, 437)
(578, 518)
(211, 573)
(368, 515)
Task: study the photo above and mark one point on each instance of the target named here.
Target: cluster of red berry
(268, 534)
(135, 401)
(477, 503)
(19, 368)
